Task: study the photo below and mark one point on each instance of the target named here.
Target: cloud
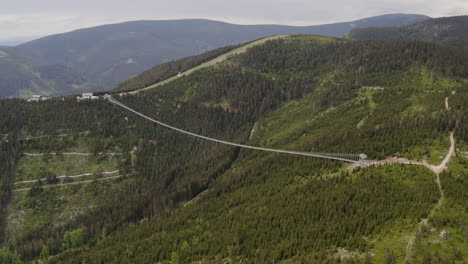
(8, 19)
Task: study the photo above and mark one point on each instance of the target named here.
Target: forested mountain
(179, 199)
(452, 30)
(20, 77)
(110, 54)
(167, 70)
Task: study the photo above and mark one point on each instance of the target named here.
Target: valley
(132, 191)
(100, 58)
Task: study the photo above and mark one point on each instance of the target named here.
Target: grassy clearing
(37, 210)
(454, 247)
(77, 179)
(366, 94)
(223, 103)
(81, 144)
(67, 143)
(36, 167)
(433, 152)
(56, 206)
(451, 217)
(458, 166)
(394, 238)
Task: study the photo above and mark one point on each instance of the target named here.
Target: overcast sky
(43, 17)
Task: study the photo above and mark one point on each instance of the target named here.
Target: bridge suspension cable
(352, 158)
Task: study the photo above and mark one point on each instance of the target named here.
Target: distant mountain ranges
(450, 30)
(101, 57)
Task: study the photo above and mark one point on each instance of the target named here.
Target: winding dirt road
(443, 165)
(437, 170)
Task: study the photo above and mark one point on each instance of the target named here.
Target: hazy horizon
(17, 40)
(23, 20)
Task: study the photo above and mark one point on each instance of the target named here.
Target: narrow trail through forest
(72, 183)
(61, 135)
(72, 154)
(73, 176)
(437, 170)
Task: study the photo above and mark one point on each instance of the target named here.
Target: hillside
(20, 77)
(177, 199)
(452, 30)
(172, 69)
(110, 54)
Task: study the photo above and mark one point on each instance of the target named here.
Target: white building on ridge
(37, 98)
(88, 96)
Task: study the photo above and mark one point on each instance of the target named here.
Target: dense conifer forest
(183, 200)
(448, 30)
(169, 69)
(10, 124)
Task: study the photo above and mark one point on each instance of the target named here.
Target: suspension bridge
(351, 158)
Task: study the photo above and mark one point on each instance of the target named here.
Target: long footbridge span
(351, 158)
